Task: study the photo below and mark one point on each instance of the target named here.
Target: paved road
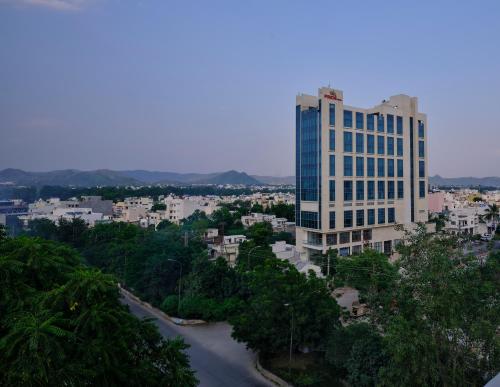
(218, 360)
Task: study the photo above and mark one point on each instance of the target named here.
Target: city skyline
(192, 88)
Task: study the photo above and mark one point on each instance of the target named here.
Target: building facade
(359, 172)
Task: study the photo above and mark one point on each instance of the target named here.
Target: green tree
(158, 207)
(261, 233)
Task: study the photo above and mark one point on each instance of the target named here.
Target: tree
(492, 213)
(275, 292)
(261, 233)
(282, 210)
(158, 207)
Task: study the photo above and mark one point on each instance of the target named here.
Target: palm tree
(492, 213)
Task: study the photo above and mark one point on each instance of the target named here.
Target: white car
(486, 237)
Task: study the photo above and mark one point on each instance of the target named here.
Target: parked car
(486, 237)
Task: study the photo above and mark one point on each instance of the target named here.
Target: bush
(199, 307)
(169, 305)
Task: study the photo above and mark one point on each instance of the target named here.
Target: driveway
(218, 359)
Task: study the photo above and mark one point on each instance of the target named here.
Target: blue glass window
(332, 219)
(390, 146)
(371, 216)
(390, 190)
(421, 149)
(391, 215)
(332, 114)
(380, 123)
(347, 119)
(381, 215)
(332, 190)
(347, 165)
(370, 144)
(400, 147)
(381, 189)
(370, 167)
(308, 155)
(347, 142)
(390, 123)
(390, 167)
(401, 189)
(370, 187)
(420, 129)
(380, 145)
(360, 120)
(421, 189)
(332, 165)
(348, 218)
(399, 124)
(360, 145)
(360, 166)
(360, 190)
(370, 122)
(347, 190)
(421, 168)
(360, 218)
(309, 219)
(380, 167)
(332, 140)
(400, 168)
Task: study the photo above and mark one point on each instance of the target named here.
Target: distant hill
(229, 177)
(464, 181)
(275, 180)
(157, 177)
(66, 177)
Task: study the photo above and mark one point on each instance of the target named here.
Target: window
(370, 167)
(347, 165)
(332, 219)
(380, 167)
(332, 165)
(390, 123)
(401, 189)
(378, 246)
(347, 119)
(400, 168)
(360, 120)
(332, 140)
(381, 215)
(391, 215)
(390, 146)
(360, 166)
(356, 237)
(347, 142)
(370, 144)
(345, 237)
(344, 251)
(348, 218)
(390, 190)
(360, 190)
(370, 187)
(331, 239)
(371, 216)
(381, 189)
(360, 221)
(360, 145)
(421, 168)
(380, 145)
(390, 167)
(399, 126)
(367, 235)
(422, 189)
(370, 122)
(332, 190)
(347, 190)
(400, 147)
(309, 219)
(420, 129)
(380, 123)
(421, 149)
(332, 114)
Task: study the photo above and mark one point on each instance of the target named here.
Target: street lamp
(180, 278)
(291, 339)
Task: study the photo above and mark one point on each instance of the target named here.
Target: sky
(205, 86)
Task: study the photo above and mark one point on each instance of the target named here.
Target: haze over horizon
(195, 87)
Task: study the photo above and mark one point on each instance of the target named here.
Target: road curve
(218, 360)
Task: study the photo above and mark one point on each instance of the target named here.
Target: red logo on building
(333, 96)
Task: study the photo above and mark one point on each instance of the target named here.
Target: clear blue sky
(200, 86)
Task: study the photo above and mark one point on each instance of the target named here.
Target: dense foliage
(61, 324)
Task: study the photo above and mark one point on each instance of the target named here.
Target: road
(218, 360)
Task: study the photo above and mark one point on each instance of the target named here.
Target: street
(217, 359)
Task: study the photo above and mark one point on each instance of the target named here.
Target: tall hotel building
(359, 172)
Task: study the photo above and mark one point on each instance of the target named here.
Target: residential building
(359, 172)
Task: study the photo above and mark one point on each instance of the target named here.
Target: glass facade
(370, 167)
(332, 114)
(380, 145)
(360, 120)
(332, 140)
(400, 168)
(370, 187)
(390, 190)
(400, 147)
(332, 165)
(390, 146)
(390, 123)
(399, 125)
(360, 145)
(380, 167)
(360, 190)
(371, 216)
(310, 155)
(390, 167)
(332, 219)
(381, 189)
(421, 189)
(309, 219)
(370, 144)
(381, 215)
(348, 218)
(421, 149)
(347, 190)
(347, 119)
(421, 168)
(380, 123)
(360, 166)
(391, 215)
(347, 142)
(421, 129)
(401, 189)
(370, 122)
(348, 166)
(332, 190)
(360, 218)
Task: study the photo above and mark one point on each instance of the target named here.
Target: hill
(229, 177)
(437, 180)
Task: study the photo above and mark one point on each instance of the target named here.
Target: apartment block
(359, 172)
